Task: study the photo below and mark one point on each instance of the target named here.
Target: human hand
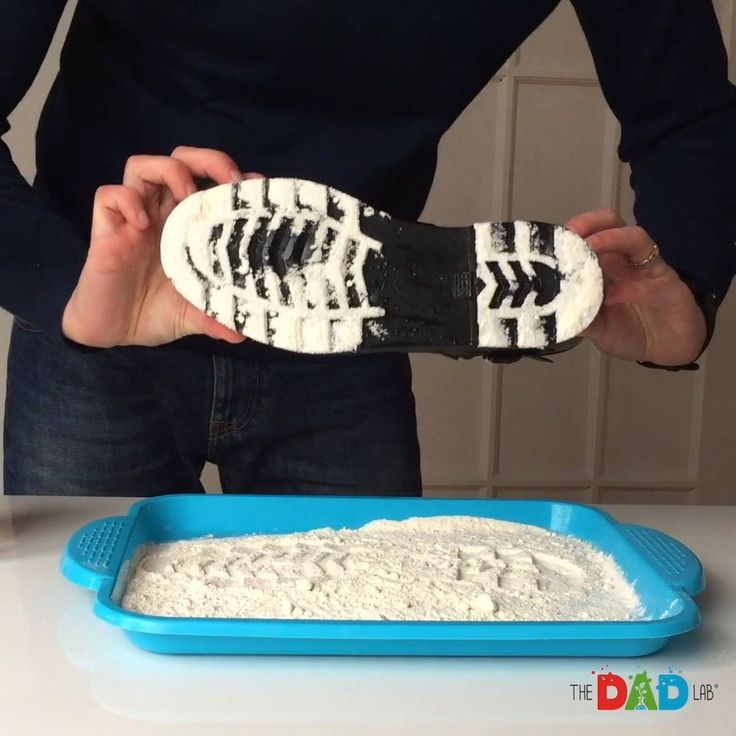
(649, 313)
(123, 296)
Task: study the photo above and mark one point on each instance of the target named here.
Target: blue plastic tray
(664, 572)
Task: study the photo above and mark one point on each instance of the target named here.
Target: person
(117, 386)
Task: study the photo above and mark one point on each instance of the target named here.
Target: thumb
(594, 330)
(196, 322)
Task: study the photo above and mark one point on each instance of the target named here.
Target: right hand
(123, 296)
(648, 314)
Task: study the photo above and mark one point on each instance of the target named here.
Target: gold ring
(648, 260)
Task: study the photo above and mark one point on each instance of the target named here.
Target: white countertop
(63, 671)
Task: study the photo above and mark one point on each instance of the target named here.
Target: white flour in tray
(457, 568)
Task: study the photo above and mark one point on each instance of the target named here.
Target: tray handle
(679, 564)
(94, 551)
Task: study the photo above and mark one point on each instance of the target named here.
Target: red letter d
(618, 699)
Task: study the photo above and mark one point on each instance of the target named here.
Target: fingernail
(143, 220)
(236, 176)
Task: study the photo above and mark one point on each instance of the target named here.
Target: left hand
(123, 296)
(648, 313)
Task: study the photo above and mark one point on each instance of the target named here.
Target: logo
(667, 691)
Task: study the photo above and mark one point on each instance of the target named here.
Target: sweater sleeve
(40, 254)
(663, 70)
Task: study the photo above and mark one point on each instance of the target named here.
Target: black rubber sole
(303, 267)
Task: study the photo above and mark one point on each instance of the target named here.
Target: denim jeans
(142, 422)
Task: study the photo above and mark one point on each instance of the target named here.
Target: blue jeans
(142, 422)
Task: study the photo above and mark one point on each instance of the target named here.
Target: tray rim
(684, 620)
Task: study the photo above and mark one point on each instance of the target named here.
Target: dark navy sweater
(352, 94)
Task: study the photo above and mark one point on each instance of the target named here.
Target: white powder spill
(377, 330)
(447, 568)
(574, 308)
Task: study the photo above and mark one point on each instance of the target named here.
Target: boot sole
(303, 267)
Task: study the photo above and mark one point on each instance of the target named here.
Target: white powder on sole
(321, 304)
(445, 568)
(310, 323)
(574, 308)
